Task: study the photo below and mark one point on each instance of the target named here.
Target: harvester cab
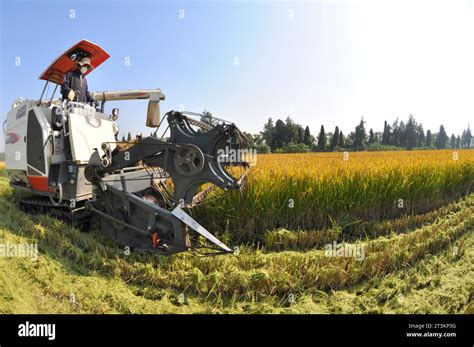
(67, 156)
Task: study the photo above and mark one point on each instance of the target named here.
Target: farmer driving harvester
(74, 87)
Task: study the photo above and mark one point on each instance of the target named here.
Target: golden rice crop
(253, 281)
(315, 190)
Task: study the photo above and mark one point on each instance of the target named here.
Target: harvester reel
(188, 160)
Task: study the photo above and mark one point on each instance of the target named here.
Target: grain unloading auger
(66, 154)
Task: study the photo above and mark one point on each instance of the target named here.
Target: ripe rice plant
(282, 239)
(252, 272)
(104, 279)
(315, 190)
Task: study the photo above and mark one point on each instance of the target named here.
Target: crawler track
(78, 217)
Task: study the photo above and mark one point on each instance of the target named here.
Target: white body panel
(88, 129)
(87, 133)
(15, 152)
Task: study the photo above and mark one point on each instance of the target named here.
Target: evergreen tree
(458, 142)
(466, 138)
(268, 133)
(300, 134)
(420, 136)
(441, 138)
(307, 140)
(281, 134)
(371, 136)
(322, 139)
(129, 137)
(410, 135)
(453, 141)
(341, 140)
(335, 139)
(250, 139)
(360, 136)
(291, 131)
(429, 139)
(206, 118)
(386, 134)
(402, 135)
(395, 134)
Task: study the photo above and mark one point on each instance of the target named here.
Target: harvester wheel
(188, 160)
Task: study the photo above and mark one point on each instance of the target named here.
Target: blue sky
(321, 62)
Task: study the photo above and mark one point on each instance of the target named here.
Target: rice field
(418, 258)
(315, 191)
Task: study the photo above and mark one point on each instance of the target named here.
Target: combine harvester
(67, 155)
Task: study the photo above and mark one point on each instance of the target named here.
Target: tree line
(288, 136)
